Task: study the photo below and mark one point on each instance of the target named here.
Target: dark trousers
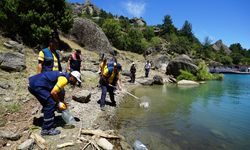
(49, 106)
(146, 72)
(106, 88)
(132, 76)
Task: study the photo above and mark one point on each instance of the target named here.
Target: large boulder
(160, 62)
(158, 80)
(89, 35)
(12, 61)
(181, 63)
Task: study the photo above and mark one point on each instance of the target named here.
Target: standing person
(132, 73)
(74, 62)
(147, 68)
(109, 79)
(48, 88)
(48, 59)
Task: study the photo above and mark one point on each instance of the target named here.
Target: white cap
(77, 75)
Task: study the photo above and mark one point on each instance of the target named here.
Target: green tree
(148, 33)
(168, 27)
(112, 29)
(186, 30)
(8, 15)
(35, 19)
(136, 42)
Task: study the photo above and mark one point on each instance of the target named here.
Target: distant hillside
(134, 35)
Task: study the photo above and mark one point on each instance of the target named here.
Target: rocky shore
(22, 126)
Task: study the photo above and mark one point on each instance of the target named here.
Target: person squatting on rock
(108, 81)
(132, 73)
(147, 68)
(48, 59)
(74, 62)
(48, 88)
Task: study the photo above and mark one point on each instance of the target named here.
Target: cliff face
(86, 8)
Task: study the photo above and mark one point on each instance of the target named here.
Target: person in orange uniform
(48, 88)
(48, 59)
(109, 79)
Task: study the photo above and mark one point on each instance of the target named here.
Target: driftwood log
(100, 133)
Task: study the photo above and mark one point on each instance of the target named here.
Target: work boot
(51, 131)
(102, 108)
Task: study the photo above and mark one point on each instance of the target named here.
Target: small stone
(82, 97)
(9, 135)
(7, 99)
(7, 45)
(8, 144)
(26, 145)
(105, 144)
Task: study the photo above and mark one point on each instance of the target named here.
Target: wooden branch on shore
(100, 133)
(91, 143)
(39, 141)
(65, 145)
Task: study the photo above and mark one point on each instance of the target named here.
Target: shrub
(186, 75)
(218, 76)
(203, 72)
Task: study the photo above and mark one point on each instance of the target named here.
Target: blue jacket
(49, 61)
(46, 80)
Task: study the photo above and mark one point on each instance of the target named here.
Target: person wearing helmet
(109, 79)
(48, 88)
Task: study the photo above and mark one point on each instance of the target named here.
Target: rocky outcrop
(158, 80)
(220, 46)
(82, 97)
(86, 8)
(89, 35)
(182, 62)
(138, 22)
(12, 61)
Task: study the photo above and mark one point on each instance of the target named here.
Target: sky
(228, 20)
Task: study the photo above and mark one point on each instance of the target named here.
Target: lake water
(215, 115)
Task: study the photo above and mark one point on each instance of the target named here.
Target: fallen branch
(100, 133)
(65, 145)
(86, 146)
(39, 141)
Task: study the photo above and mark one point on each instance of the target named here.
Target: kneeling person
(48, 88)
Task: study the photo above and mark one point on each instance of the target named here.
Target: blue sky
(228, 20)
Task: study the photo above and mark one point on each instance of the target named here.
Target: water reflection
(211, 116)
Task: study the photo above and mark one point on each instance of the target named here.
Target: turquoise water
(215, 115)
